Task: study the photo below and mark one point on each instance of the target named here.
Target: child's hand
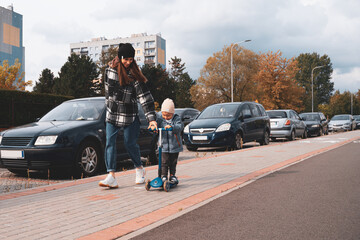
(153, 126)
(167, 127)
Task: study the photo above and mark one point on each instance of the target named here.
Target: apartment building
(149, 49)
(11, 37)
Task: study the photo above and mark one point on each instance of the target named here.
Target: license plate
(12, 154)
(199, 137)
(273, 124)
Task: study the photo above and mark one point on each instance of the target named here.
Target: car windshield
(179, 111)
(277, 114)
(310, 117)
(357, 118)
(75, 111)
(340, 117)
(219, 111)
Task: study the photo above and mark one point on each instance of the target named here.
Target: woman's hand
(153, 125)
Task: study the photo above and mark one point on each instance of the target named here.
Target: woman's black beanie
(126, 50)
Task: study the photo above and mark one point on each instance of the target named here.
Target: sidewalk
(82, 210)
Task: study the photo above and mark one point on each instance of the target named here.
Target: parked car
(71, 135)
(187, 115)
(228, 125)
(342, 122)
(286, 123)
(316, 123)
(357, 120)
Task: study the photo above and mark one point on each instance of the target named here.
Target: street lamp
(232, 87)
(312, 87)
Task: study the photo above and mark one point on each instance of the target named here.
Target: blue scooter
(158, 182)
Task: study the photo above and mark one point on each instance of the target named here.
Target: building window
(150, 44)
(138, 59)
(137, 51)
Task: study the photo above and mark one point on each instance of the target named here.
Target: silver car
(286, 123)
(342, 122)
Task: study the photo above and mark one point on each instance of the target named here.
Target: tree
(213, 85)
(77, 77)
(277, 87)
(177, 68)
(183, 82)
(323, 87)
(340, 103)
(160, 84)
(11, 77)
(105, 58)
(46, 82)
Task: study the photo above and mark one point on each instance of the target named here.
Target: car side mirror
(37, 119)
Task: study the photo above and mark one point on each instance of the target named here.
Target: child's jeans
(168, 161)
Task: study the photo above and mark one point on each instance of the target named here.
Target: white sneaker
(109, 181)
(140, 176)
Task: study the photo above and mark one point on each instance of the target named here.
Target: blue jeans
(131, 134)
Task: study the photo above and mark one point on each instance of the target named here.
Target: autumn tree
(76, 77)
(11, 77)
(323, 87)
(183, 83)
(340, 103)
(46, 82)
(213, 85)
(277, 87)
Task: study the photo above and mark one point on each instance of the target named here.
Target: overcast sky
(195, 29)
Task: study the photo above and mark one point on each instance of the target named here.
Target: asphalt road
(315, 199)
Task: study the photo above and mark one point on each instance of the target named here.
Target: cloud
(349, 81)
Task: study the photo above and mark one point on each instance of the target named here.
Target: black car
(71, 135)
(316, 123)
(228, 125)
(187, 115)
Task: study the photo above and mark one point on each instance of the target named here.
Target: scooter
(158, 182)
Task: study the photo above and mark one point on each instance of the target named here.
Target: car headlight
(346, 124)
(46, 140)
(186, 129)
(223, 127)
(315, 126)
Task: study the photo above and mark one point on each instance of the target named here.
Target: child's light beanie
(168, 106)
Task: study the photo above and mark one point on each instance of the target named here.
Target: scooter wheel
(147, 185)
(166, 186)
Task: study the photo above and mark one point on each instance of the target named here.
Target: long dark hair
(134, 69)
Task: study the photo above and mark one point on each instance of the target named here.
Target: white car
(343, 122)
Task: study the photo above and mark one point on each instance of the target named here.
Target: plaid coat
(121, 101)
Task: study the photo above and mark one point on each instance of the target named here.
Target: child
(171, 140)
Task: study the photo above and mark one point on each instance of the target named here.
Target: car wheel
(238, 141)
(292, 136)
(153, 156)
(305, 134)
(88, 159)
(266, 138)
(191, 148)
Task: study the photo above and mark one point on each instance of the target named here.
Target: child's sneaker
(164, 178)
(174, 180)
(109, 181)
(140, 175)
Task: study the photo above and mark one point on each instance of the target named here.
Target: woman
(124, 86)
